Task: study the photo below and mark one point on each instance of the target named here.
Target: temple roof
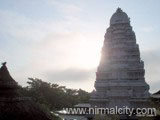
(157, 93)
(6, 81)
(13, 106)
(119, 17)
(4, 73)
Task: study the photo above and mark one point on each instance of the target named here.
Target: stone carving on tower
(120, 77)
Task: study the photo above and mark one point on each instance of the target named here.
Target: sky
(59, 41)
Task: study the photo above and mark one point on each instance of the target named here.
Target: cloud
(53, 49)
(50, 46)
(20, 27)
(151, 61)
(71, 75)
(147, 29)
(65, 7)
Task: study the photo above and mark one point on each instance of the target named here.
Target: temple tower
(120, 77)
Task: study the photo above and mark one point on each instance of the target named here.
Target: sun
(87, 54)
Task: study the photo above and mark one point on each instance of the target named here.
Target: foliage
(155, 103)
(53, 96)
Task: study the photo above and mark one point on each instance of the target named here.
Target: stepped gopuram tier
(120, 75)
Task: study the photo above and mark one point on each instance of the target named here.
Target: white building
(120, 77)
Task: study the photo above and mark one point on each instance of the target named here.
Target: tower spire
(120, 73)
(119, 17)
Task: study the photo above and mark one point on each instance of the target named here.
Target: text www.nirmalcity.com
(112, 111)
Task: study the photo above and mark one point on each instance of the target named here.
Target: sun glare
(87, 54)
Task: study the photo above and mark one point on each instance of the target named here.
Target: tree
(53, 96)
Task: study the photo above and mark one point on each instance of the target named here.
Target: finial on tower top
(119, 9)
(4, 63)
(119, 17)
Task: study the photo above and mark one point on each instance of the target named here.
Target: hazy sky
(60, 41)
